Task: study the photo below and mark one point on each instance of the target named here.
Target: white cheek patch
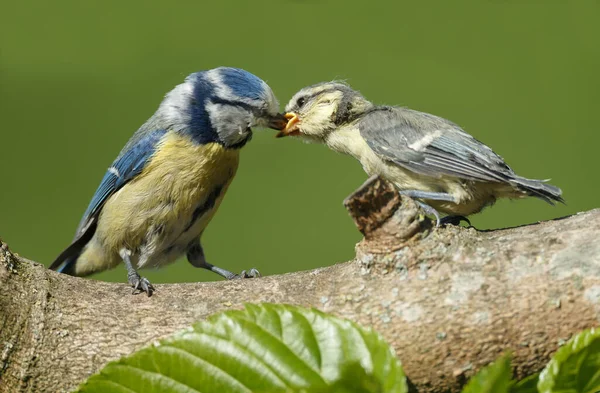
(317, 120)
(230, 122)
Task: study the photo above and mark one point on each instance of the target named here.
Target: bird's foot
(430, 211)
(454, 220)
(140, 284)
(439, 221)
(252, 273)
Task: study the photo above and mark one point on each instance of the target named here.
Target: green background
(77, 78)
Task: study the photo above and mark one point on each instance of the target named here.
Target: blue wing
(128, 165)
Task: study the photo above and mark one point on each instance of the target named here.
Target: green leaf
(575, 367)
(263, 348)
(495, 378)
(526, 385)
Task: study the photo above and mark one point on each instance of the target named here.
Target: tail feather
(67, 260)
(68, 265)
(540, 189)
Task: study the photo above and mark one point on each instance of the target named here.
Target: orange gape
(291, 128)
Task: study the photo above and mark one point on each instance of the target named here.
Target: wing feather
(130, 162)
(430, 145)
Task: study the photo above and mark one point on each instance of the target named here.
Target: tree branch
(449, 300)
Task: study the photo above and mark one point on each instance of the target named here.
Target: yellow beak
(291, 128)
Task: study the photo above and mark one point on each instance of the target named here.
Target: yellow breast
(179, 180)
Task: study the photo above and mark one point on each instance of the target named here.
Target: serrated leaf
(263, 348)
(575, 367)
(494, 378)
(526, 385)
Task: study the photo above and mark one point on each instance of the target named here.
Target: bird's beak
(291, 128)
(278, 122)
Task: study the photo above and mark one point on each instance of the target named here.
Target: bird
(428, 158)
(156, 199)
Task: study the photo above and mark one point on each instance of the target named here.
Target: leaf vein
(208, 363)
(314, 335)
(277, 339)
(119, 385)
(159, 375)
(288, 348)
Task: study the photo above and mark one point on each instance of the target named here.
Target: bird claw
(440, 221)
(252, 273)
(140, 284)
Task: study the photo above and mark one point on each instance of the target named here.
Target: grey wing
(430, 145)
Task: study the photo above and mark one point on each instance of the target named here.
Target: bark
(449, 300)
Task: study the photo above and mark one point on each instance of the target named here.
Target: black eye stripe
(250, 108)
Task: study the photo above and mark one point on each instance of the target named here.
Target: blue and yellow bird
(159, 195)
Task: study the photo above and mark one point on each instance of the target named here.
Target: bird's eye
(301, 101)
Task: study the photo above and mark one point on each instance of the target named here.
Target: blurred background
(77, 78)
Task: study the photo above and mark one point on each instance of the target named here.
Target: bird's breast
(170, 203)
(347, 140)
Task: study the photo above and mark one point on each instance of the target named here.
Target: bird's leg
(196, 257)
(448, 220)
(138, 282)
(436, 196)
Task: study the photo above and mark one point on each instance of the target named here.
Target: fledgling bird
(162, 190)
(427, 158)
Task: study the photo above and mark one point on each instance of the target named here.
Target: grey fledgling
(428, 158)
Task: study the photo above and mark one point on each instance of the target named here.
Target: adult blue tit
(427, 158)
(162, 190)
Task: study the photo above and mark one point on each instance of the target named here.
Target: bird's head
(222, 105)
(315, 111)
